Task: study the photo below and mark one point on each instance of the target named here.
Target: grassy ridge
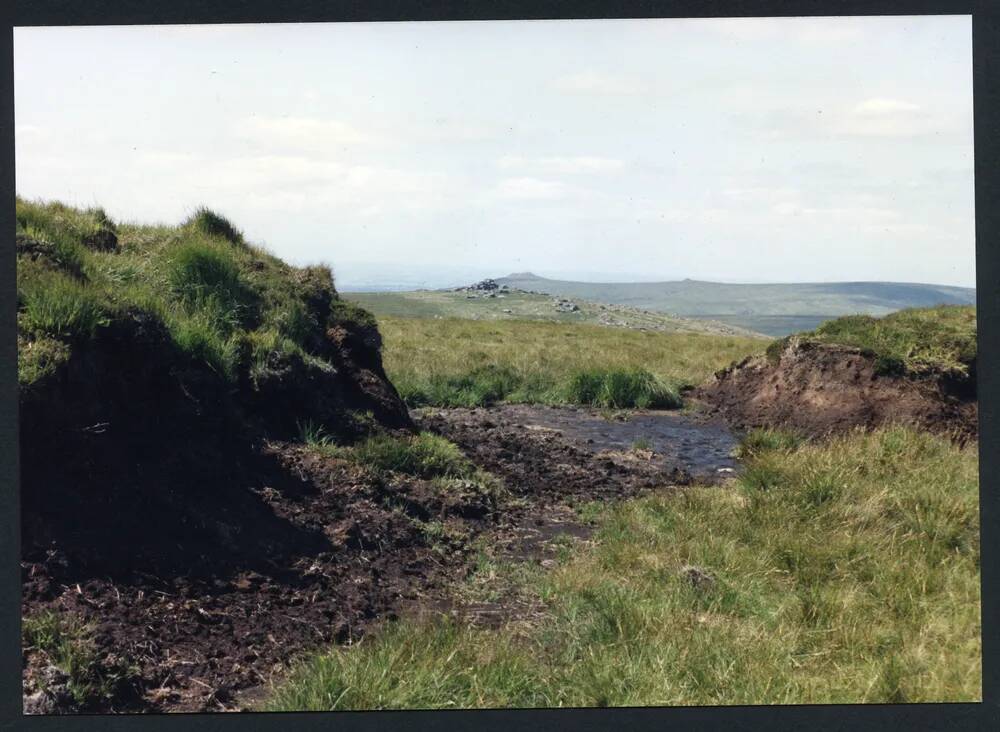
(517, 305)
(452, 362)
(830, 573)
(229, 307)
(915, 340)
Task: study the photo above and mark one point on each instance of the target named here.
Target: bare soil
(582, 454)
(819, 389)
(234, 560)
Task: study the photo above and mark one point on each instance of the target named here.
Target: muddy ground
(300, 551)
(579, 454)
(819, 389)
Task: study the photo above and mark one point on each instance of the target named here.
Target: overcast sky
(427, 153)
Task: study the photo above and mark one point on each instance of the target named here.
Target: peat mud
(341, 547)
(569, 453)
(288, 551)
(819, 389)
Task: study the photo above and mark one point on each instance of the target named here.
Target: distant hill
(517, 305)
(774, 309)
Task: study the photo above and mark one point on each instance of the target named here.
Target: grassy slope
(844, 572)
(526, 306)
(466, 362)
(229, 306)
(915, 340)
(775, 309)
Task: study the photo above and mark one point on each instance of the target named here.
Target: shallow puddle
(701, 447)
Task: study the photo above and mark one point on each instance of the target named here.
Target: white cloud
(556, 165)
(593, 82)
(299, 182)
(760, 194)
(166, 159)
(882, 106)
(303, 133)
(839, 213)
(874, 117)
(800, 30)
(532, 188)
(898, 229)
(882, 117)
(30, 134)
(688, 149)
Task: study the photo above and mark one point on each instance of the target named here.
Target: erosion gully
(215, 636)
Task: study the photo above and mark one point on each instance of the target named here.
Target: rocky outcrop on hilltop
(488, 288)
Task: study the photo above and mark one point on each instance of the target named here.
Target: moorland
(244, 489)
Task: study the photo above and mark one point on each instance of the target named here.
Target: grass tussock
(767, 439)
(198, 271)
(230, 310)
(68, 644)
(914, 340)
(621, 389)
(211, 224)
(465, 363)
(424, 455)
(39, 357)
(842, 572)
(53, 304)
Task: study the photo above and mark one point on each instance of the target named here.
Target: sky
(431, 154)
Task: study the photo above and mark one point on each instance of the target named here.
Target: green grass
(621, 389)
(203, 273)
(68, 644)
(514, 305)
(230, 307)
(452, 362)
(424, 455)
(768, 439)
(205, 342)
(215, 225)
(480, 386)
(39, 357)
(59, 306)
(839, 572)
(65, 227)
(63, 252)
(915, 340)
